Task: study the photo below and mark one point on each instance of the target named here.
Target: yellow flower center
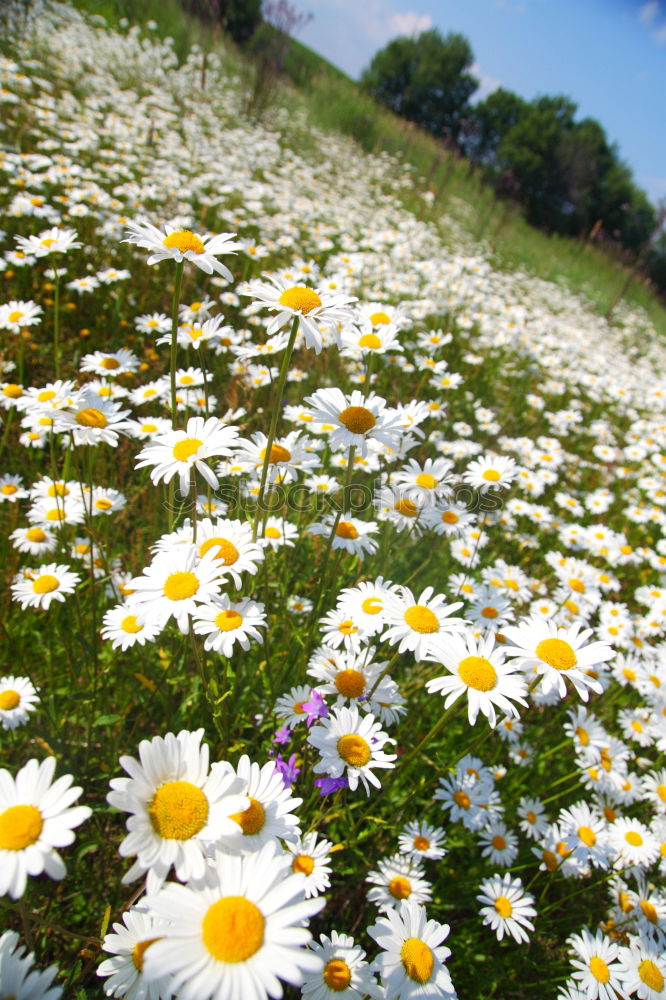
(417, 959)
(491, 476)
(371, 341)
(400, 888)
(15, 316)
(139, 950)
(427, 481)
(180, 586)
(129, 624)
(599, 969)
(462, 800)
(421, 619)
(252, 819)
(90, 417)
(8, 700)
(110, 364)
(649, 911)
(350, 683)
(103, 504)
(661, 792)
(55, 515)
(633, 838)
(272, 533)
(347, 627)
(9, 489)
(478, 673)
(45, 396)
(337, 975)
(229, 620)
(178, 810)
(556, 653)
(278, 454)
(380, 319)
(577, 585)
(148, 428)
(449, 517)
(300, 299)
(421, 843)
(550, 860)
(503, 907)
(371, 606)
(186, 448)
(357, 419)
(226, 551)
(354, 750)
(651, 975)
(406, 507)
(184, 240)
(587, 835)
(346, 529)
(233, 929)
(303, 863)
(499, 843)
(20, 826)
(489, 612)
(531, 817)
(45, 584)
(12, 391)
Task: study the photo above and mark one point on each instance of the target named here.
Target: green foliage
(425, 80)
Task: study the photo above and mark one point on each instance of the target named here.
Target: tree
(239, 18)
(487, 124)
(425, 80)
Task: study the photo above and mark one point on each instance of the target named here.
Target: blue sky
(609, 56)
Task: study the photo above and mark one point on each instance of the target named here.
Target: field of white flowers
(334, 561)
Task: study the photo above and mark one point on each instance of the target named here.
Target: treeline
(566, 175)
(564, 172)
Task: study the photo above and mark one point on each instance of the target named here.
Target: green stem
(174, 336)
(279, 389)
(56, 321)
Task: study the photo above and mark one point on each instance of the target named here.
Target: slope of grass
(334, 102)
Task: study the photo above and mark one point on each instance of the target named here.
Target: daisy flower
(356, 419)
(229, 542)
(422, 840)
(398, 877)
(122, 362)
(128, 944)
(490, 472)
(556, 653)
(419, 626)
(597, 967)
(584, 832)
(507, 907)
(270, 813)
(351, 534)
(349, 675)
(19, 980)
(643, 970)
(532, 818)
(11, 488)
(16, 314)
(174, 585)
(122, 628)
(18, 698)
(477, 668)
(91, 419)
(317, 311)
(183, 451)
(278, 532)
(49, 241)
(289, 707)
(38, 588)
(181, 244)
(411, 962)
(35, 541)
(237, 935)
(364, 603)
(225, 623)
(633, 843)
(345, 974)
(176, 806)
(35, 818)
(499, 844)
(312, 859)
(288, 456)
(348, 743)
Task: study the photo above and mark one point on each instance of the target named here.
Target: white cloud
(649, 11)
(660, 34)
(487, 83)
(410, 23)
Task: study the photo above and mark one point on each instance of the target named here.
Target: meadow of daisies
(334, 564)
